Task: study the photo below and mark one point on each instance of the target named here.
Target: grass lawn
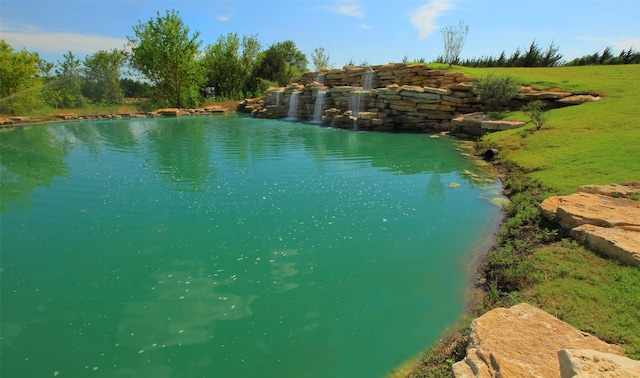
(592, 143)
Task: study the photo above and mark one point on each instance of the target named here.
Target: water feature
(318, 107)
(321, 77)
(227, 247)
(355, 101)
(278, 97)
(357, 96)
(367, 81)
(293, 105)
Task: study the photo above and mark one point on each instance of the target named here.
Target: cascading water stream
(293, 106)
(278, 96)
(367, 81)
(320, 78)
(355, 98)
(319, 107)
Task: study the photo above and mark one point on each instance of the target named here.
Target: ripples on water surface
(228, 246)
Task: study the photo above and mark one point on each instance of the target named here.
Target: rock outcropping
(590, 363)
(602, 217)
(524, 341)
(396, 96)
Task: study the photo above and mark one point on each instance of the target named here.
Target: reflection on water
(228, 246)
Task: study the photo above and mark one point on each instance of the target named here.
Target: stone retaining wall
(408, 97)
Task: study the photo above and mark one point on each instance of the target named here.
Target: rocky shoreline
(10, 122)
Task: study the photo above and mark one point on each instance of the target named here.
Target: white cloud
(349, 8)
(626, 43)
(222, 18)
(424, 17)
(365, 26)
(36, 40)
(618, 44)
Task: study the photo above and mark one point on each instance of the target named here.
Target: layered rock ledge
(524, 341)
(604, 218)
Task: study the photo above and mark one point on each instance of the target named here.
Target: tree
(454, 39)
(280, 62)
(164, 52)
(102, 75)
(67, 88)
(229, 63)
(320, 59)
(19, 82)
(293, 57)
(272, 67)
(536, 112)
(134, 88)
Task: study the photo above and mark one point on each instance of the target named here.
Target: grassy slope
(594, 143)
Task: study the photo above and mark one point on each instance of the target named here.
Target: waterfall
(367, 81)
(320, 78)
(278, 95)
(355, 99)
(319, 107)
(293, 106)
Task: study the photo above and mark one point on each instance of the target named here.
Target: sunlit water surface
(230, 247)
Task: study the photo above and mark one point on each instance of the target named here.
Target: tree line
(166, 64)
(535, 56)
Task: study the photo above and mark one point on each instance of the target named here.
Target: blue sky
(373, 31)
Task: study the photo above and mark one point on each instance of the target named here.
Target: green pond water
(227, 246)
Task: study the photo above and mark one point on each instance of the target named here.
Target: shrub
(495, 91)
(537, 113)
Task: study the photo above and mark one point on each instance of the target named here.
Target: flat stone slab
(501, 124)
(596, 209)
(522, 341)
(619, 243)
(591, 363)
(612, 190)
(602, 218)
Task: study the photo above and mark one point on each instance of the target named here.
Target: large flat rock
(590, 363)
(620, 243)
(522, 341)
(596, 209)
(603, 218)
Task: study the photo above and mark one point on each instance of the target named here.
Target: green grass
(596, 295)
(592, 143)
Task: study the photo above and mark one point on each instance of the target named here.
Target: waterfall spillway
(367, 80)
(278, 96)
(355, 100)
(293, 106)
(320, 78)
(319, 107)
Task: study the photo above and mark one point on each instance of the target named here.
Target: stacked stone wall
(411, 97)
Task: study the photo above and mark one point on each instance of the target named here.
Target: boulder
(620, 243)
(591, 363)
(168, 112)
(596, 209)
(522, 341)
(613, 190)
(578, 99)
(602, 218)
